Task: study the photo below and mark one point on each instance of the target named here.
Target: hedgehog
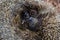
(35, 20)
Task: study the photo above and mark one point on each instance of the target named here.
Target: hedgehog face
(27, 18)
(28, 15)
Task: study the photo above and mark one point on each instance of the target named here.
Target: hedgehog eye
(26, 15)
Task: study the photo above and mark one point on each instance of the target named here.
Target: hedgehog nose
(32, 23)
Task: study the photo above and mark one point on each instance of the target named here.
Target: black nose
(32, 23)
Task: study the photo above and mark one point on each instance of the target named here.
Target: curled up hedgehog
(35, 20)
